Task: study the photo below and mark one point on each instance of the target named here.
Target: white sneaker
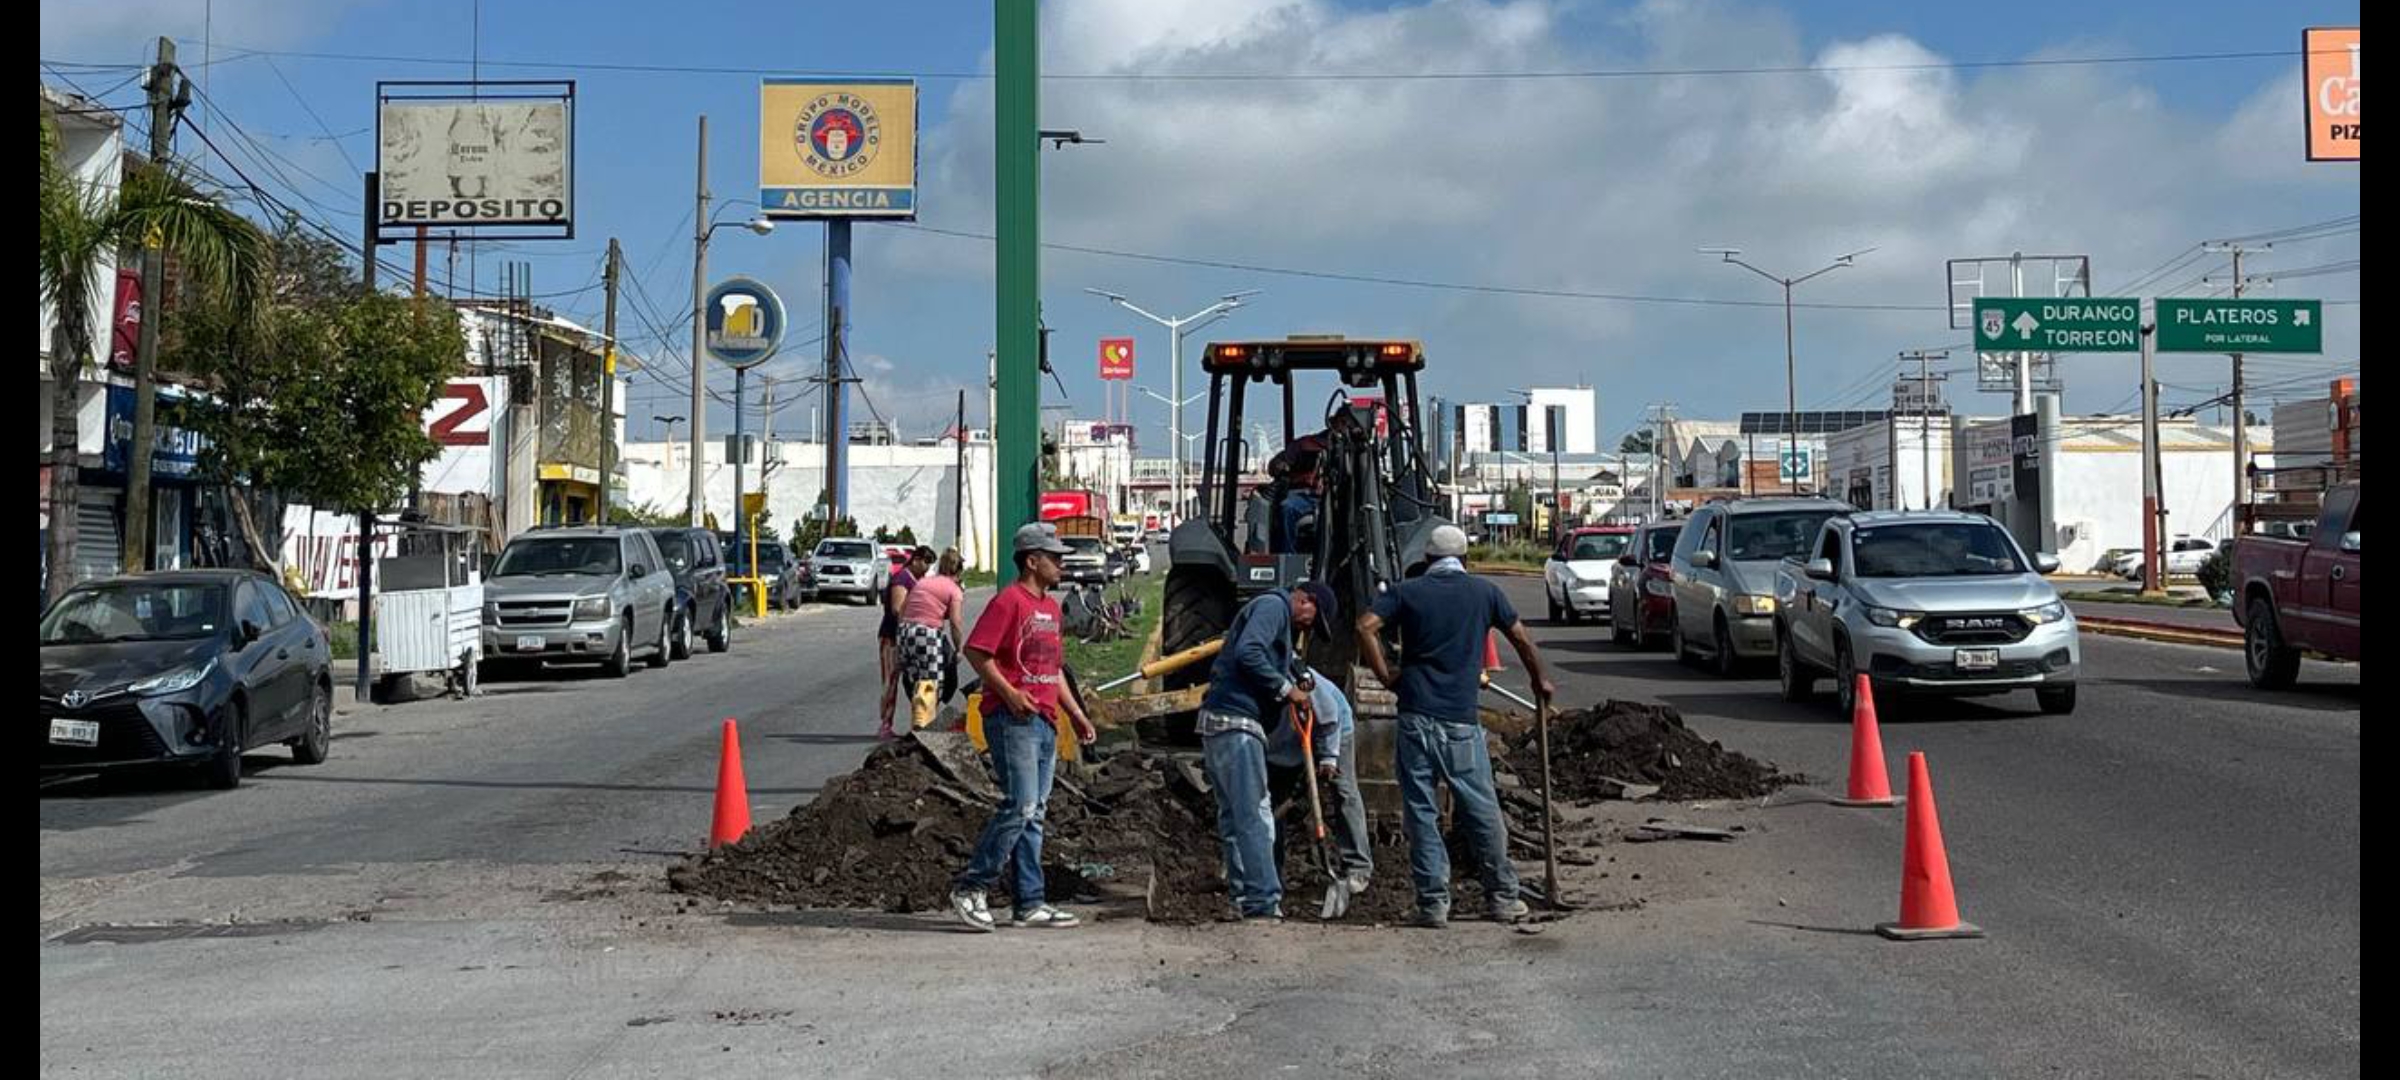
(1046, 916)
(972, 911)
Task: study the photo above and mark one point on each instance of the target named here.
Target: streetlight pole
(670, 422)
(1791, 380)
(696, 510)
(1176, 329)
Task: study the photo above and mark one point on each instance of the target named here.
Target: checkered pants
(924, 654)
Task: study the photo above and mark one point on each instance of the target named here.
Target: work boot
(1433, 917)
(970, 907)
(1509, 910)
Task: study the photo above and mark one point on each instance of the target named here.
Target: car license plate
(1978, 659)
(74, 733)
(529, 644)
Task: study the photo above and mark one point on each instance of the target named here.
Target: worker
(1335, 742)
(1017, 650)
(1443, 617)
(1251, 689)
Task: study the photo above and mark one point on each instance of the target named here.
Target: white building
(91, 148)
(1580, 425)
(1860, 464)
(2098, 494)
(913, 486)
(1098, 456)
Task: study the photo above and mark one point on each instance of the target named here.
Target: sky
(1549, 222)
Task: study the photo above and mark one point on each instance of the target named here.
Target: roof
(1767, 503)
(1811, 423)
(1902, 517)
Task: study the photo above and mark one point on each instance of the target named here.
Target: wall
(889, 485)
(1870, 449)
(1582, 420)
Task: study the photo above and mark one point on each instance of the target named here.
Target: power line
(1325, 76)
(312, 114)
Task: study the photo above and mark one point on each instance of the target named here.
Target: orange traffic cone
(1491, 652)
(1928, 908)
(1870, 782)
(733, 796)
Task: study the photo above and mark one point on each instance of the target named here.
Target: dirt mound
(1593, 750)
(891, 835)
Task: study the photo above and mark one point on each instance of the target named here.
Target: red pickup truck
(2300, 595)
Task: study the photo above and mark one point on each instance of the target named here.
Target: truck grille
(532, 614)
(1975, 628)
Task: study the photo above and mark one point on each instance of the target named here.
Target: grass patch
(1100, 661)
(1509, 554)
(979, 579)
(345, 639)
(2145, 601)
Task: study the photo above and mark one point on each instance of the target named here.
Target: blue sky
(1585, 185)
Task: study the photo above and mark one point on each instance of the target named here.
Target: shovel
(1337, 894)
(1541, 726)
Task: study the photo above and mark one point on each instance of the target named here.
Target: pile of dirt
(1594, 752)
(1134, 825)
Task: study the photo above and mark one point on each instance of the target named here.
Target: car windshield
(846, 549)
(1773, 536)
(1934, 549)
(1662, 544)
(676, 548)
(1084, 545)
(1600, 546)
(560, 555)
(134, 611)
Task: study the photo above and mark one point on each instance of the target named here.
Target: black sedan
(185, 667)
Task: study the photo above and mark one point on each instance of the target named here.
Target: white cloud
(127, 31)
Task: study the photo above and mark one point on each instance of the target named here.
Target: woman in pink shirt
(937, 604)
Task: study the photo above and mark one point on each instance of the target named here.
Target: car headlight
(592, 607)
(491, 611)
(1754, 605)
(2054, 611)
(1904, 620)
(173, 682)
(1659, 587)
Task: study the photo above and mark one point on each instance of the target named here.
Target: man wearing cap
(1017, 649)
(1335, 742)
(1442, 617)
(1251, 687)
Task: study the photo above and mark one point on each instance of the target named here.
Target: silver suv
(1931, 602)
(850, 567)
(583, 594)
(1724, 574)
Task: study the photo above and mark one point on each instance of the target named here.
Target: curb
(2159, 632)
(1504, 570)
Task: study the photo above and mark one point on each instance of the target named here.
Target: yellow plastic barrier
(1069, 748)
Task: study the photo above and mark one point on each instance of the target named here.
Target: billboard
(451, 163)
(1116, 358)
(2330, 80)
(837, 148)
(745, 322)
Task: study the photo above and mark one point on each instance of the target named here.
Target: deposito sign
(2330, 80)
(745, 322)
(2070, 324)
(470, 163)
(1116, 358)
(838, 149)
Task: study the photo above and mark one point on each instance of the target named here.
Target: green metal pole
(1017, 124)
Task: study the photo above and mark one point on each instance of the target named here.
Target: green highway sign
(2241, 326)
(2065, 324)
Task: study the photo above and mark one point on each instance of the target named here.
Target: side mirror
(247, 634)
(638, 572)
(1820, 569)
(1626, 560)
(1704, 559)
(2350, 542)
(2045, 563)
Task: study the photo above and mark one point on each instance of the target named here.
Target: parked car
(1641, 588)
(852, 568)
(189, 667)
(1088, 563)
(1724, 574)
(1930, 602)
(582, 594)
(2184, 555)
(2292, 595)
(1139, 556)
(1575, 578)
(703, 602)
(786, 584)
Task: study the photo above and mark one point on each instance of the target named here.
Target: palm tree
(82, 226)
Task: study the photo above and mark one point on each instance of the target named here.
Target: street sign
(754, 505)
(1495, 517)
(745, 322)
(1116, 358)
(2243, 326)
(1794, 467)
(2067, 324)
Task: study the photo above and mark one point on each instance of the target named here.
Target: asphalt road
(2169, 878)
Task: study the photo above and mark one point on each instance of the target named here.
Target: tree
(644, 515)
(218, 251)
(1635, 443)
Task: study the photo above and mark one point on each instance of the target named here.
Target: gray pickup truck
(1923, 602)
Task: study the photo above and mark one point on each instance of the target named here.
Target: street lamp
(1176, 329)
(670, 422)
(1791, 392)
(704, 227)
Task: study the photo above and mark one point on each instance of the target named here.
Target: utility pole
(2151, 511)
(170, 93)
(958, 490)
(1016, 127)
(2241, 423)
(1925, 379)
(696, 504)
(608, 384)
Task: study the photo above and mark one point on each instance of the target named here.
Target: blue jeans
(1454, 753)
(1237, 771)
(1024, 753)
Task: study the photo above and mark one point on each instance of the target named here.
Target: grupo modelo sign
(467, 164)
(838, 149)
